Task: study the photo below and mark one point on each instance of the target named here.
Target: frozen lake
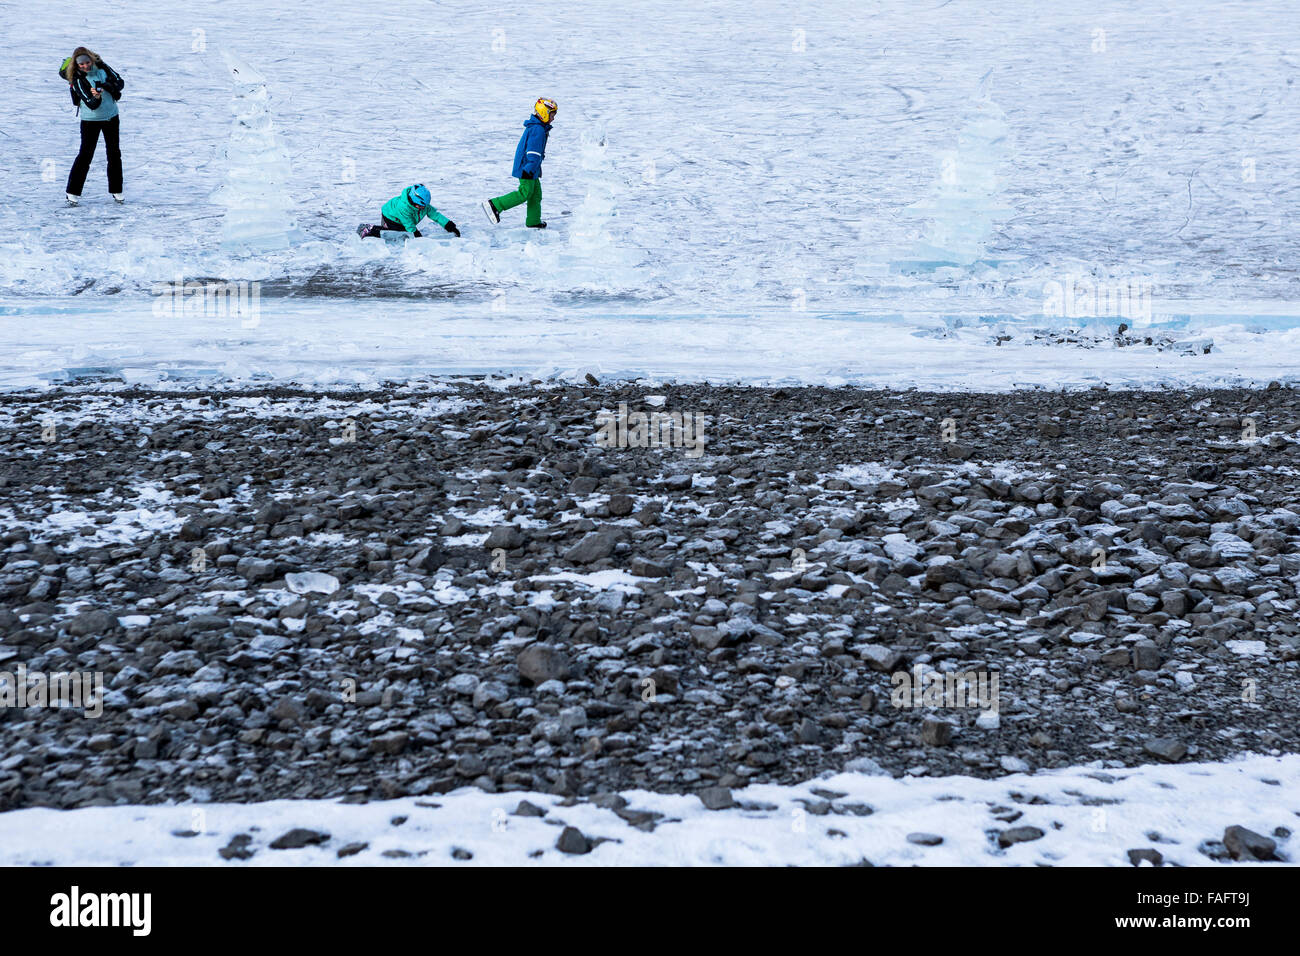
(767, 191)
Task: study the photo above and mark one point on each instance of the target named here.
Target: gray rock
(91, 622)
(271, 513)
(1246, 844)
(178, 662)
(299, 837)
(645, 568)
(809, 732)
(716, 798)
(936, 733)
(573, 841)
(393, 742)
(880, 658)
(255, 570)
(1169, 749)
(504, 536)
(237, 848)
(1146, 656)
(179, 710)
(994, 600)
(539, 663)
(463, 684)
(593, 547)
(1015, 835)
(428, 559)
(1145, 855)
(490, 692)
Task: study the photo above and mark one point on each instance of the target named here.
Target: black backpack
(72, 90)
(114, 83)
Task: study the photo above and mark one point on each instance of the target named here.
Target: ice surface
(328, 342)
(738, 159)
(1089, 816)
(742, 169)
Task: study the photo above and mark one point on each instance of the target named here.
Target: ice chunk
(257, 197)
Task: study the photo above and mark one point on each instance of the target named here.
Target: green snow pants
(529, 191)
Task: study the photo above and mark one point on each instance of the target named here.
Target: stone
(504, 536)
(179, 710)
(924, 839)
(809, 732)
(573, 841)
(716, 798)
(1246, 844)
(298, 838)
(880, 658)
(1168, 749)
(1146, 656)
(593, 547)
(1016, 835)
(1140, 603)
(645, 568)
(1145, 855)
(1173, 602)
(490, 692)
(271, 513)
(91, 622)
(237, 848)
(994, 600)
(539, 663)
(255, 570)
(428, 559)
(935, 732)
(178, 662)
(463, 684)
(393, 742)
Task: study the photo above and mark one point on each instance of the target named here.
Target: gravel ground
(401, 592)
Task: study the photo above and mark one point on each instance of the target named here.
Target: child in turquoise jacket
(404, 212)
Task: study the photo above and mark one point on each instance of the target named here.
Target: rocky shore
(401, 592)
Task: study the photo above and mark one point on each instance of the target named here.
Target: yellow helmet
(545, 109)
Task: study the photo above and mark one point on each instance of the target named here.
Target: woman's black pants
(90, 130)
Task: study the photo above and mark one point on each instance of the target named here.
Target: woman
(95, 89)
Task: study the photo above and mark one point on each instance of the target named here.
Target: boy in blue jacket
(405, 211)
(528, 168)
